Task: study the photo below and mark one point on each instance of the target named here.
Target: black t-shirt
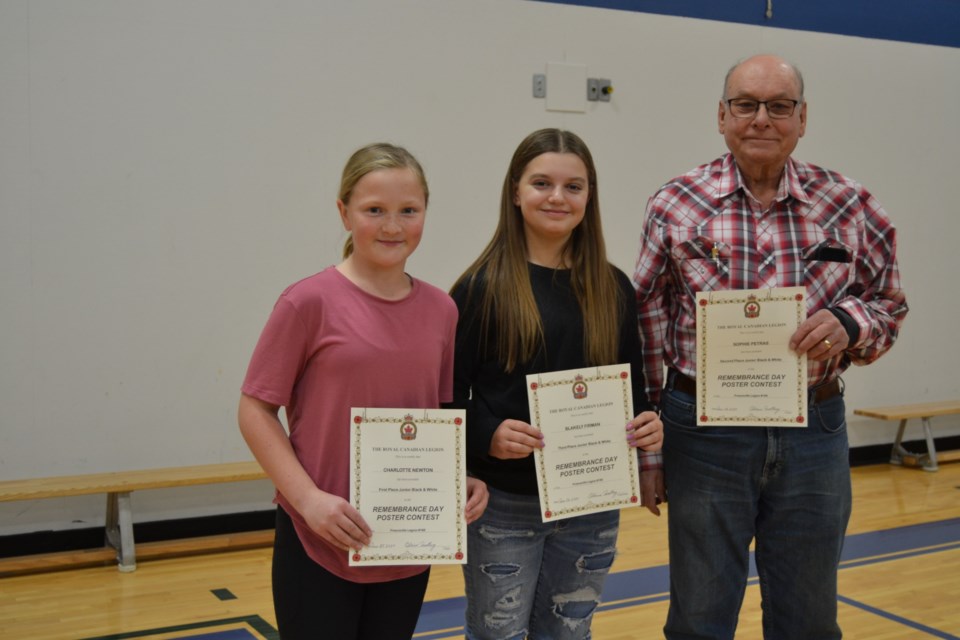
(491, 395)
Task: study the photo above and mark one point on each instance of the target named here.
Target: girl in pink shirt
(360, 334)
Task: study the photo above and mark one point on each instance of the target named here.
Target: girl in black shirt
(541, 297)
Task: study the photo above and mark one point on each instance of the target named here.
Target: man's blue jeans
(529, 579)
(788, 488)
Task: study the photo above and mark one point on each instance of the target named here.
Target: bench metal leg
(119, 530)
(930, 461)
(896, 454)
(900, 455)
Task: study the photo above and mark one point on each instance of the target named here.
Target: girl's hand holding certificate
(336, 521)
(515, 439)
(645, 432)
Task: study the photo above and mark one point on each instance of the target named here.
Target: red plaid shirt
(704, 231)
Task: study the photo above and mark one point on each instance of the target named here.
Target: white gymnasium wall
(167, 167)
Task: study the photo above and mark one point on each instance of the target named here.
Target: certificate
(586, 465)
(746, 373)
(408, 481)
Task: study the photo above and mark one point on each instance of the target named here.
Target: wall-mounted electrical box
(599, 89)
(539, 85)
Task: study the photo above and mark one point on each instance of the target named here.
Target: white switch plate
(566, 84)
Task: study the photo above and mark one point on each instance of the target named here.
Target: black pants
(313, 604)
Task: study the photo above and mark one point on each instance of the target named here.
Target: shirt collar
(729, 181)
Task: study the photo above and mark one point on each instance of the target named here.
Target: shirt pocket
(827, 267)
(703, 263)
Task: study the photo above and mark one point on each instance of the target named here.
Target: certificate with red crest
(408, 481)
(586, 465)
(746, 373)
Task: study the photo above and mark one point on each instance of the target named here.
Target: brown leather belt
(686, 384)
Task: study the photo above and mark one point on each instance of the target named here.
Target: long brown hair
(507, 299)
(379, 155)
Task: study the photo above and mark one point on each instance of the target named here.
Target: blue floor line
(652, 584)
(235, 634)
(936, 633)
(447, 633)
(916, 536)
(850, 564)
(200, 630)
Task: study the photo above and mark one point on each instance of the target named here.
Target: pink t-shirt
(329, 346)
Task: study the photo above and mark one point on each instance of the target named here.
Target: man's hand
(821, 336)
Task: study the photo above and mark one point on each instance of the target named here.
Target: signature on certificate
(423, 545)
(767, 410)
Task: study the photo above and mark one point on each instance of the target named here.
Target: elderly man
(757, 218)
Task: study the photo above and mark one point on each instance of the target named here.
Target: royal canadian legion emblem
(408, 428)
(580, 388)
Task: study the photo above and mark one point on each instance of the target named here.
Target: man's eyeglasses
(747, 108)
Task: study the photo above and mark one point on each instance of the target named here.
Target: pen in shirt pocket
(719, 252)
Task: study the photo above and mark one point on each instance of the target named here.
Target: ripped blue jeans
(530, 579)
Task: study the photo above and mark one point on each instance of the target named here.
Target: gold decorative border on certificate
(800, 308)
(549, 513)
(358, 421)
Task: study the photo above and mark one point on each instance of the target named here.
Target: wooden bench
(924, 411)
(118, 486)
